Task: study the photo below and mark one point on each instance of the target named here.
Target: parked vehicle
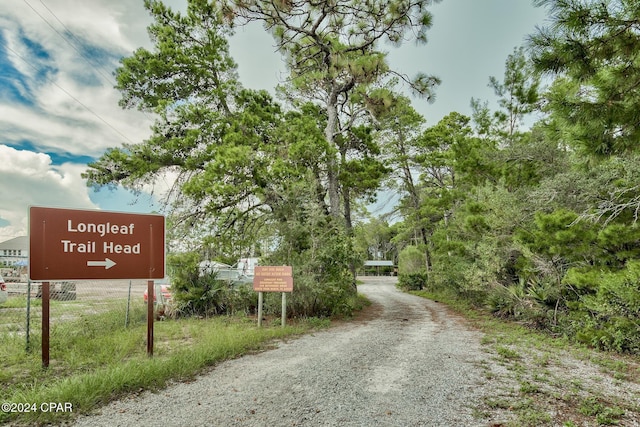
(4, 294)
(61, 291)
(237, 274)
(163, 286)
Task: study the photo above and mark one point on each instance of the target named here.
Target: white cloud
(29, 178)
(68, 113)
(65, 110)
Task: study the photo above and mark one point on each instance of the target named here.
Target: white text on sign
(107, 248)
(102, 229)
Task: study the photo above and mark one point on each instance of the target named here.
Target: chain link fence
(75, 306)
(71, 304)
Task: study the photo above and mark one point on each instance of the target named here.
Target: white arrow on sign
(107, 263)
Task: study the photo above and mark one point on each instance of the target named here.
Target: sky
(59, 109)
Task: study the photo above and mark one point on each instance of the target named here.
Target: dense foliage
(200, 293)
(252, 176)
(541, 225)
(537, 223)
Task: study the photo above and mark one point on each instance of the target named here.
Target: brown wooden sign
(69, 244)
(273, 279)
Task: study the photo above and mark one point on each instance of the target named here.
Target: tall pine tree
(332, 50)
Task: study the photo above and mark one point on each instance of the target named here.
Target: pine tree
(593, 47)
(332, 50)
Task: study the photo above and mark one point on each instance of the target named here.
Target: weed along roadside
(405, 360)
(547, 381)
(106, 361)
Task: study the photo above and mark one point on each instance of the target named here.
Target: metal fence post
(126, 316)
(28, 325)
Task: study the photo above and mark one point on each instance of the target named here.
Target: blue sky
(59, 111)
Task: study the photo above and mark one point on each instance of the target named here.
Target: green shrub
(323, 261)
(413, 281)
(411, 260)
(412, 273)
(609, 304)
(196, 294)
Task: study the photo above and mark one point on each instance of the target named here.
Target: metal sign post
(260, 297)
(284, 309)
(45, 324)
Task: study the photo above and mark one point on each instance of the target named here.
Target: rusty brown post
(45, 324)
(150, 301)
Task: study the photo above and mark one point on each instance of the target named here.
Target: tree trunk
(332, 164)
(347, 210)
(411, 188)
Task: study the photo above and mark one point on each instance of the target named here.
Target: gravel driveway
(413, 363)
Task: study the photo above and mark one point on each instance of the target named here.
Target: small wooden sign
(273, 279)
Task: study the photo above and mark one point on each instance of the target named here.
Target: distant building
(378, 268)
(14, 252)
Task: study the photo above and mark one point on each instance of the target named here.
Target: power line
(68, 94)
(66, 39)
(108, 79)
(87, 60)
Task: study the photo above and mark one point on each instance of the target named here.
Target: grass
(96, 359)
(507, 353)
(605, 415)
(542, 388)
(20, 301)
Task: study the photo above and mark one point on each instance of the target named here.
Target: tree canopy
(535, 218)
(240, 162)
(332, 51)
(593, 47)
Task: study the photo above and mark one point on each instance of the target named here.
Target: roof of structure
(378, 263)
(21, 242)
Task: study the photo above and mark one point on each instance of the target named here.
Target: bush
(411, 260)
(413, 281)
(197, 294)
(613, 308)
(322, 258)
(521, 301)
(313, 299)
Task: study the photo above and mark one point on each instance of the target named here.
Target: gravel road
(412, 363)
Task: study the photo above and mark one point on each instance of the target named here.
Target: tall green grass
(95, 359)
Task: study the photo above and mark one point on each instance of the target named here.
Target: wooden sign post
(273, 279)
(73, 244)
